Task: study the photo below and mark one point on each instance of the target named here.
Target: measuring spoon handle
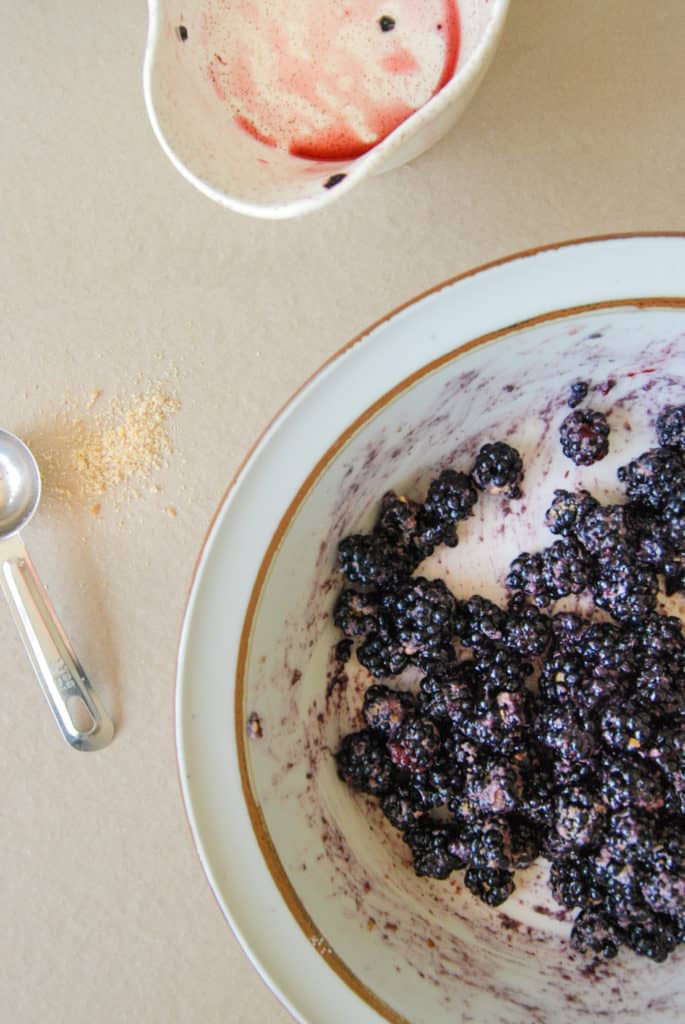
(80, 715)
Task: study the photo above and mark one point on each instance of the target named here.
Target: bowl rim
(278, 874)
(359, 168)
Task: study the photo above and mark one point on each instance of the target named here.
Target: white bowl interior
(200, 135)
(421, 950)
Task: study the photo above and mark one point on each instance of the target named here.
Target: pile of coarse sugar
(108, 450)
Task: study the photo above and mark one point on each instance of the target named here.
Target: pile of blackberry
(534, 732)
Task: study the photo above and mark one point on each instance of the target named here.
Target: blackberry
(449, 696)
(435, 848)
(440, 657)
(385, 710)
(372, 560)
(400, 808)
(460, 750)
(397, 518)
(577, 392)
(559, 570)
(424, 794)
(607, 530)
(437, 784)
(491, 885)
(527, 573)
(630, 837)
(662, 636)
(570, 880)
(567, 630)
(670, 426)
(537, 801)
(479, 620)
(584, 436)
(652, 544)
(565, 680)
(623, 900)
(568, 510)
(363, 763)
(433, 532)
(579, 817)
(594, 932)
(653, 936)
(356, 613)
(414, 744)
(654, 476)
(498, 469)
(397, 537)
(566, 569)
(499, 669)
(528, 630)
(382, 655)
(499, 725)
(618, 883)
(624, 589)
(494, 786)
(419, 793)
(634, 784)
(499, 721)
(491, 845)
(609, 649)
(420, 613)
(627, 726)
(398, 522)
(450, 499)
(565, 732)
(659, 686)
(501, 717)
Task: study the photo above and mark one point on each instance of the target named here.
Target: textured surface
(113, 267)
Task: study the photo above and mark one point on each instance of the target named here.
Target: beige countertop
(116, 273)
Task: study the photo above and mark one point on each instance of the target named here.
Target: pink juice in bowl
(327, 81)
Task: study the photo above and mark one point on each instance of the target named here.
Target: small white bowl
(317, 886)
(208, 147)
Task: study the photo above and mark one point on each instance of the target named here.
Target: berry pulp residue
(328, 81)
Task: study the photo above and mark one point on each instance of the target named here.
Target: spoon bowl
(20, 485)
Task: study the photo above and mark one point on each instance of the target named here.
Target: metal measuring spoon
(82, 719)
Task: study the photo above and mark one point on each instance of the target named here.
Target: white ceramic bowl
(205, 144)
(317, 886)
